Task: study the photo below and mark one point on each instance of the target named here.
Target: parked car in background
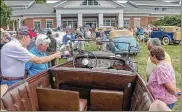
(107, 29)
(167, 34)
(123, 42)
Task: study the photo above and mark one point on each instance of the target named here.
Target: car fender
(166, 35)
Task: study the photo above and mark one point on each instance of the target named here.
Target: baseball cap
(24, 30)
(49, 32)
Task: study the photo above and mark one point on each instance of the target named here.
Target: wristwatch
(178, 93)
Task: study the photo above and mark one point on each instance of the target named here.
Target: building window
(109, 22)
(90, 23)
(137, 22)
(49, 23)
(156, 9)
(164, 9)
(90, 2)
(71, 23)
(37, 24)
(113, 23)
(126, 22)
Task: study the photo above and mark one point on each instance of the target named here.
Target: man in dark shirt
(52, 47)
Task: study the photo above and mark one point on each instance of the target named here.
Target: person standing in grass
(52, 47)
(162, 82)
(152, 42)
(141, 34)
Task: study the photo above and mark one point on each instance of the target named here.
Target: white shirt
(59, 39)
(88, 35)
(13, 59)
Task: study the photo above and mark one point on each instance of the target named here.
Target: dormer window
(90, 2)
(156, 9)
(164, 9)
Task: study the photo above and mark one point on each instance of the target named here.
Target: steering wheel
(82, 52)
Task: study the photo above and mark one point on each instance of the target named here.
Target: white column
(100, 19)
(13, 26)
(17, 27)
(58, 18)
(80, 20)
(19, 23)
(120, 20)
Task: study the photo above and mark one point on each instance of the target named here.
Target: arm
(165, 78)
(170, 87)
(28, 65)
(45, 59)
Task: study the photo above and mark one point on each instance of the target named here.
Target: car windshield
(127, 39)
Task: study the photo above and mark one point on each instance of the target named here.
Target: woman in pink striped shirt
(162, 82)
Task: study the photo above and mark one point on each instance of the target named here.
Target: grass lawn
(141, 58)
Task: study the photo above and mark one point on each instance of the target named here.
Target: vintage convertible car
(91, 81)
(123, 36)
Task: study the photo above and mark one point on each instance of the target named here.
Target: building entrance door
(92, 22)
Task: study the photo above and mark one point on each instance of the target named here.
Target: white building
(87, 12)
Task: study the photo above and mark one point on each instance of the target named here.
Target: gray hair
(42, 39)
(154, 42)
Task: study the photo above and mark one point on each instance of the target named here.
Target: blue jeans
(9, 83)
(171, 105)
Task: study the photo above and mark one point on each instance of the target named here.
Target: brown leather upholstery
(56, 100)
(38, 81)
(95, 79)
(19, 98)
(106, 100)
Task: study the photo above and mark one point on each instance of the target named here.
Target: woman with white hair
(41, 44)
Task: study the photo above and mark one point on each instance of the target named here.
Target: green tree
(169, 21)
(5, 13)
(40, 1)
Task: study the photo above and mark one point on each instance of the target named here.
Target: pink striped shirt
(163, 73)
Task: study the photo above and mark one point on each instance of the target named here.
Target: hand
(58, 54)
(178, 92)
(66, 53)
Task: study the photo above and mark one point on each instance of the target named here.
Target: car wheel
(135, 54)
(165, 41)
